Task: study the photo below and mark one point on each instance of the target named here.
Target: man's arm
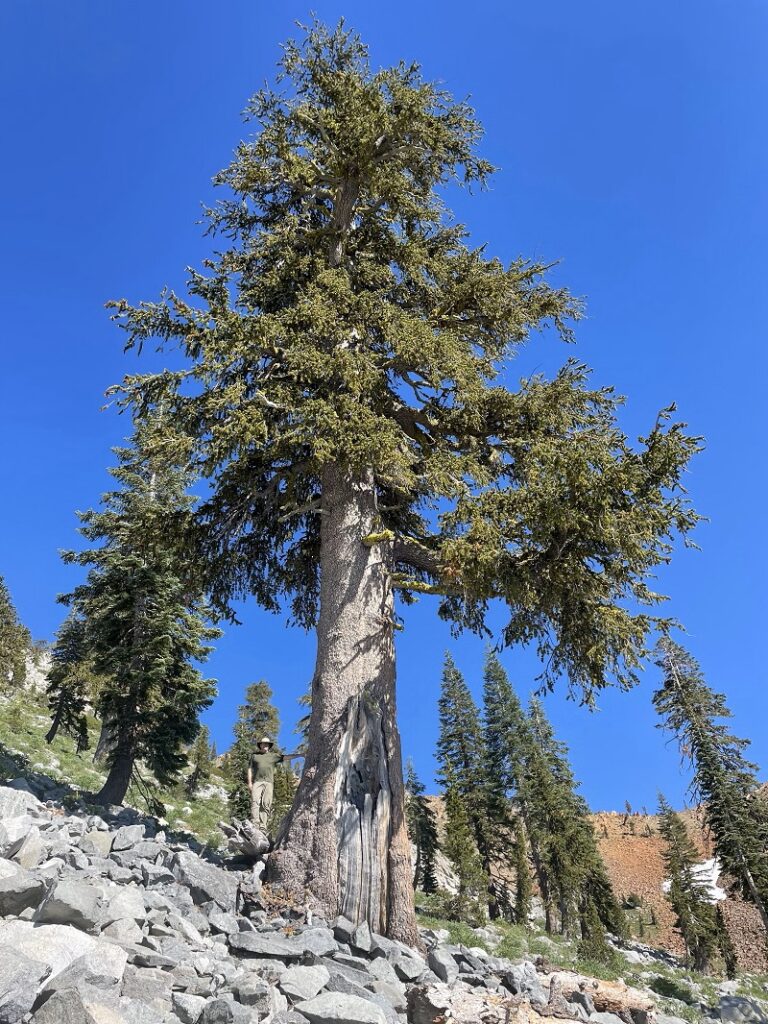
(250, 776)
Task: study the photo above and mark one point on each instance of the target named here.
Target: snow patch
(706, 875)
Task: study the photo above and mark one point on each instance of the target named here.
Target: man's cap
(267, 740)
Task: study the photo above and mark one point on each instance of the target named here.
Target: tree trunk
(106, 742)
(345, 842)
(119, 778)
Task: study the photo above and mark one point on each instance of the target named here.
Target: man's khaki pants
(261, 802)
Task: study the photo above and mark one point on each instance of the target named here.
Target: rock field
(106, 919)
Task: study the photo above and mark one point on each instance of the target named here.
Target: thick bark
(119, 777)
(345, 842)
(106, 742)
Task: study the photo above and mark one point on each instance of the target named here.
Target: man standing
(261, 780)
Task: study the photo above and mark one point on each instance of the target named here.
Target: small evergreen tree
(15, 642)
(422, 831)
(201, 762)
(70, 682)
(723, 779)
(257, 717)
(145, 621)
(470, 902)
(696, 917)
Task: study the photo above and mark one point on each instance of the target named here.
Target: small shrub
(671, 988)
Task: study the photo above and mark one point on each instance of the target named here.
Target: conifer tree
(200, 761)
(342, 353)
(723, 779)
(470, 902)
(422, 831)
(145, 623)
(15, 642)
(523, 882)
(70, 682)
(257, 717)
(696, 916)
(462, 758)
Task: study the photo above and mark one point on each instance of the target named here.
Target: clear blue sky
(633, 146)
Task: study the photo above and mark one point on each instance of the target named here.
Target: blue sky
(633, 146)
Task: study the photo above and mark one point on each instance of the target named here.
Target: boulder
(18, 889)
(344, 930)
(222, 1011)
(338, 1008)
(102, 968)
(54, 945)
(319, 941)
(127, 904)
(222, 922)
(31, 852)
(20, 979)
(78, 1006)
(16, 802)
(443, 965)
(187, 1007)
(301, 983)
(205, 881)
(269, 944)
(740, 1010)
(13, 832)
(72, 902)
(127, 836)
(523, 980)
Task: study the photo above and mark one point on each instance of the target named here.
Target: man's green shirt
(263, 766)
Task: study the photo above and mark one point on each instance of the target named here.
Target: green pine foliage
(422, 831)
(462, 759)
(71, 682)
(145, 621)
(523, 880)
(15, 642)
(257, 717)
(723, 779)
(200, 761)
(470, 903)
(696, 916)
(348, 320)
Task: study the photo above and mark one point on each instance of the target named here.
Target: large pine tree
(696, 916)
(145, 623)
(15, 642)
(723, 778)
(341, 393)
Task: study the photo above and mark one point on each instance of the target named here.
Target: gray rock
(72, 902)
(18, 889)
(77, 1006)
(54, 945)
(429, 1004)
(155, 874)
(361, 939)
(343, 930)
(338, 1008)
(740, 1010)
(20, 979)
(205, 881)
(31, 852)
(187, 930)
(409, 968)
(148, 985)
(442, 963)
(269, 945)
(126, 931)
(126, 904)
(605, 1018)
(127, 836)
(187, 1007)
(300, 983)
(522, 980)
(319, 941)
(289, 1017)
(16, 802)
(13, 832)
(222, 922)
(102, 968)
(662, 1018)
(222, 1011)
